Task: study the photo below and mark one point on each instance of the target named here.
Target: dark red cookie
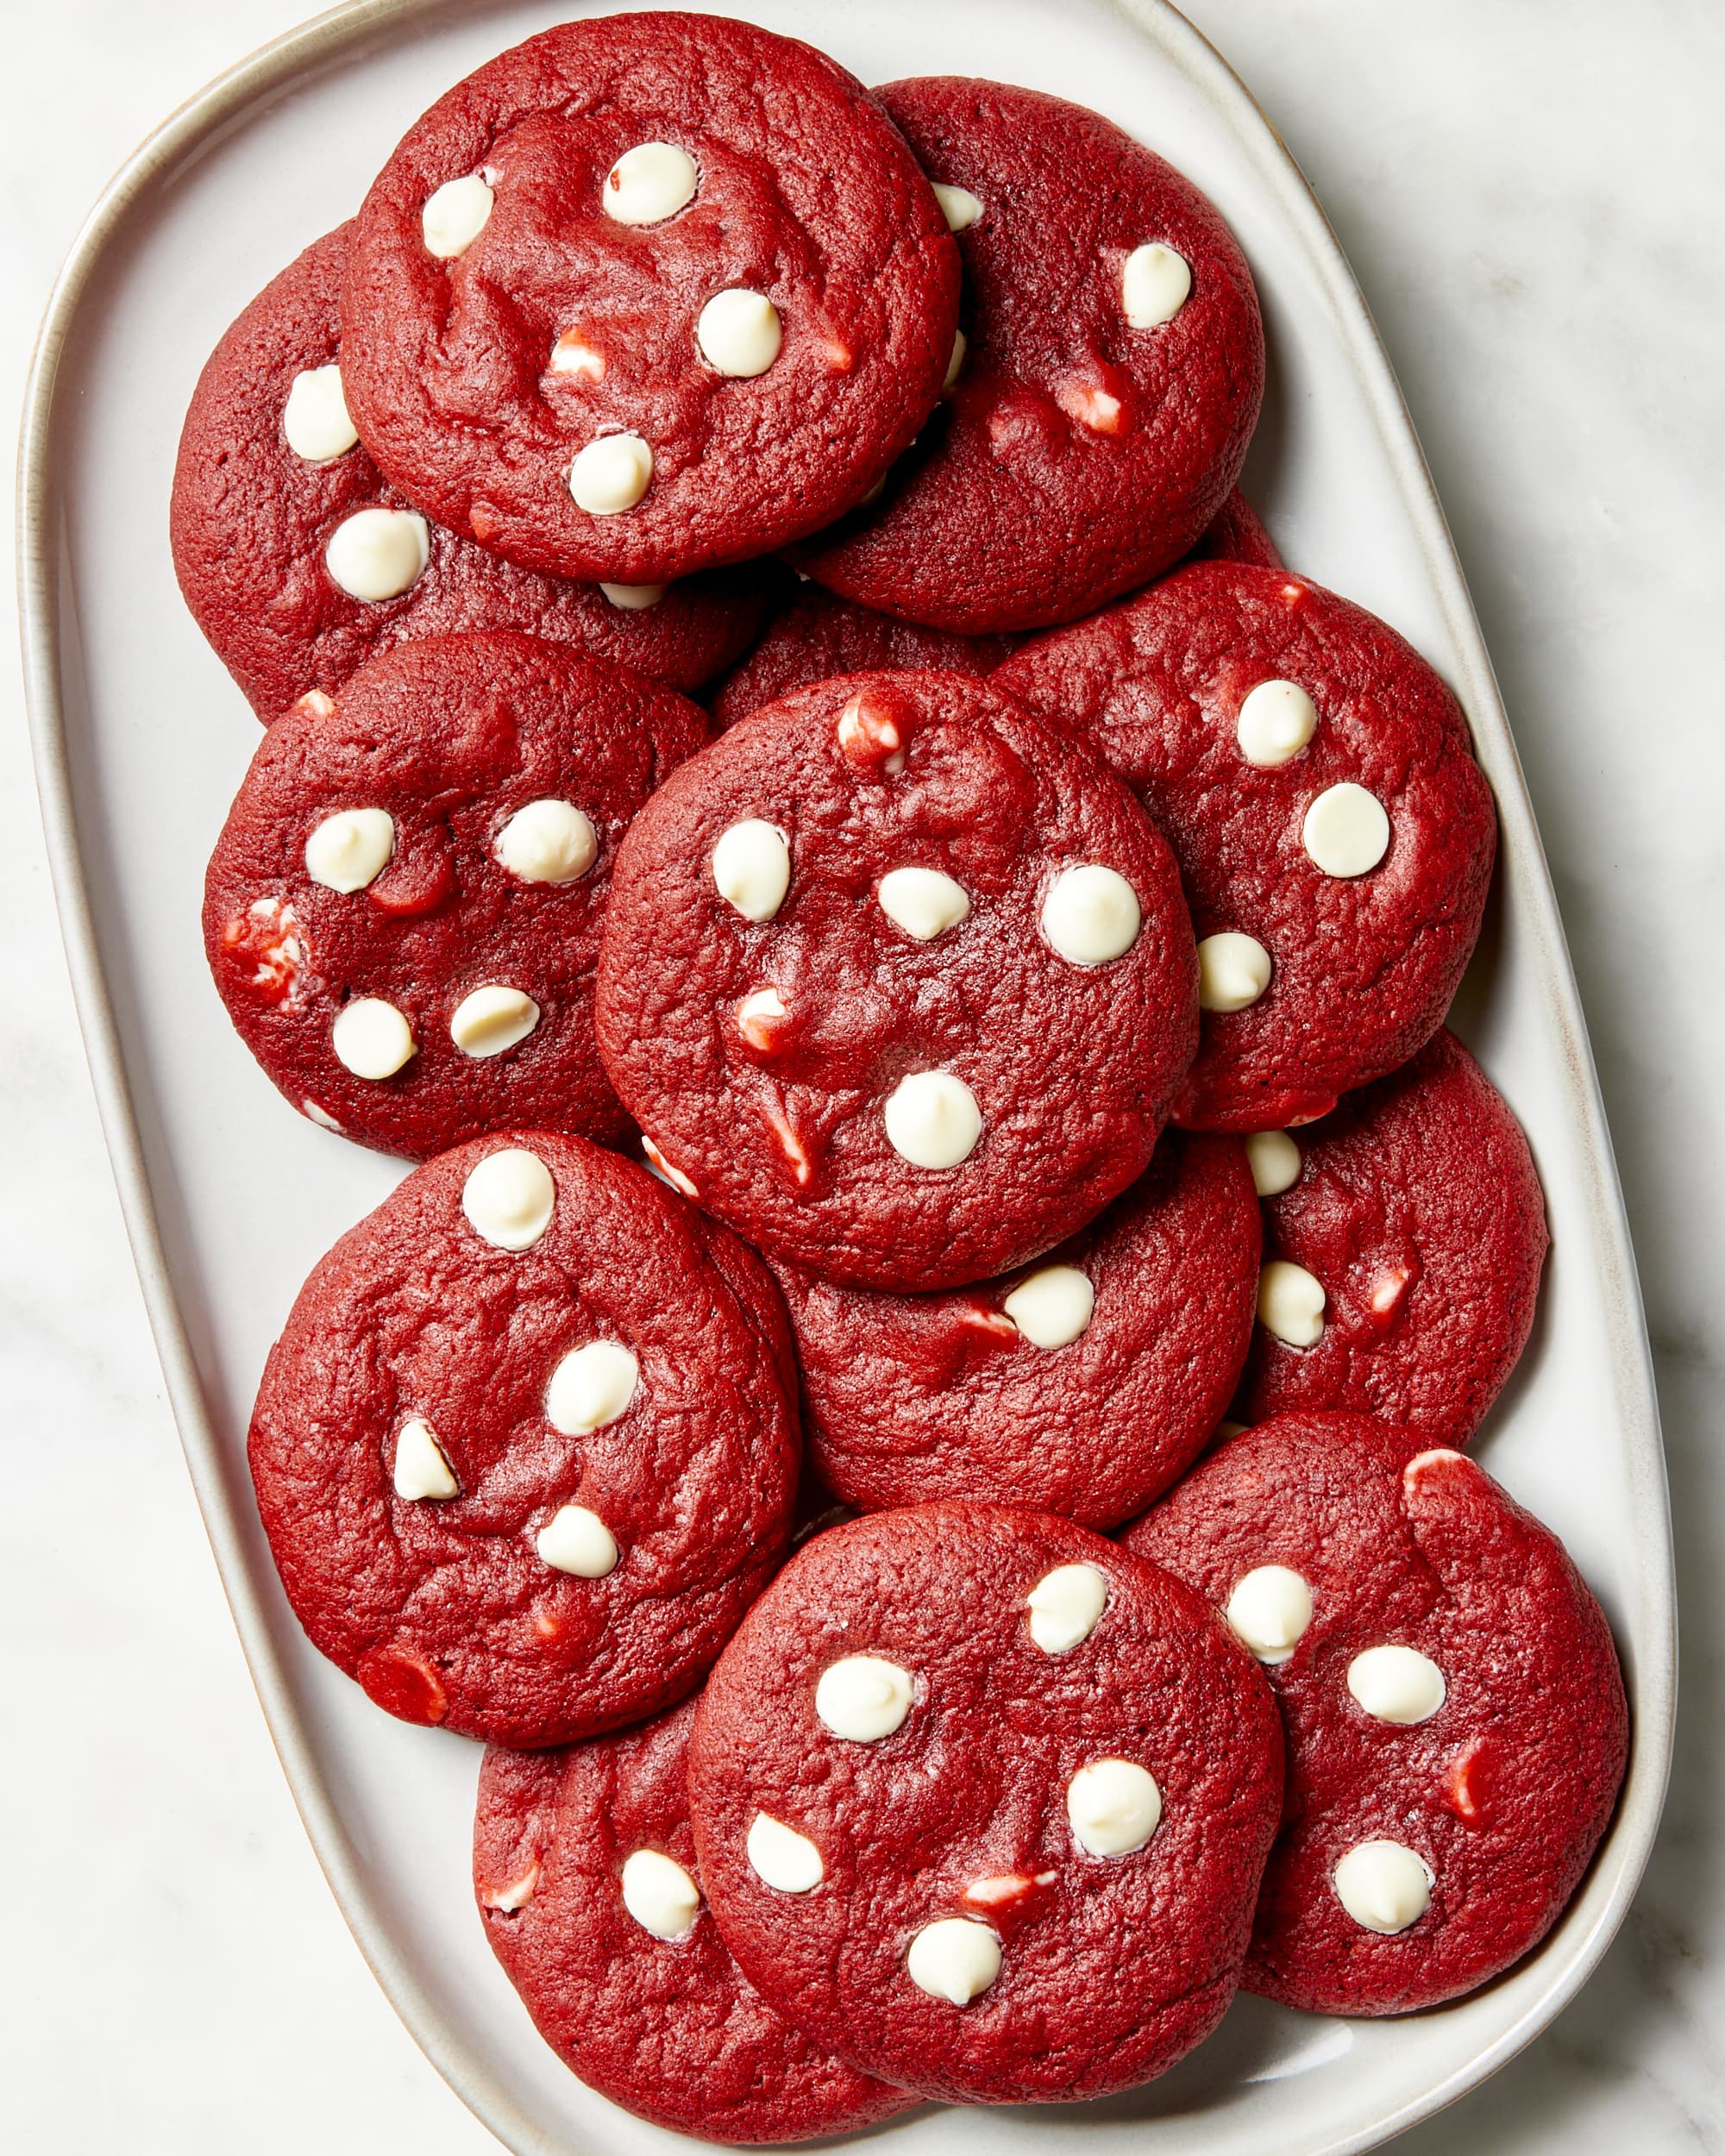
(1335, 835)
(585, 1870)
(1081, 449)
(1455, 1716)
(1405, 1234)
(829, 994)
(648, 293)
(402, 913)
(1083, 1387)
(982, 1799)
(1235, 533)
(256, 519)
(522, 1452)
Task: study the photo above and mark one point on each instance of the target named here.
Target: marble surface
(1531, 195)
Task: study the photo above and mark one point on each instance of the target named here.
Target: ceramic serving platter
(141, 741)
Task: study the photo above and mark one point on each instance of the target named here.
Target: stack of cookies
(974, 1086)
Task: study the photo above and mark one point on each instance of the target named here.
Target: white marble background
(1531, 193)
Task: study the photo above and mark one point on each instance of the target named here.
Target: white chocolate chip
(1396, 1684)
(1383, 1886)
(1270, 1608)
(1053, 1307)
(379, 553)
(493, 1019)
(954, 1960)
(371, 1038)
(315, 420)
(1155, 285)
(1091, 915)
(316, 703)
(659, 1166)
(421, 1469)
(1347, 831)
(634, 598)
(659, 1894)
(932, 1119)
(739, 332)
(783, 1857)
(863, 1697)
(960, 208)
(572, 354)
(514, 1894)
(320, 1117)
(1065, 1607)
(1233, 971)
(1274, 1159)
(455, 217)
(923, 901)
(649, 183)
(757, 1014)
(351, 849)
(547, 842)
(954, 366)
(751, 868)
(1276, 722)
(1113, 1806)
(611, 474)
(509, 1198)
(1290, 1302)
(578, 1541)
(871, 738)
(592, 1386)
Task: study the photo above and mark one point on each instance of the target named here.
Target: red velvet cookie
(402, 913)
(1404, 1235)
(982, 1799)
(1083, 1387)
(1235, 533)
(645, 294)
(896, 982)
(1334, 834)
(298, 562)
(585, 1870)
(522, 1452)
(1104, 387)
(1455, 1717)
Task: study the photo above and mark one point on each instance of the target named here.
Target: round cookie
(272, 495)
(1105, 389)
(983, 1799)
(1236, 534)
(646, 294)
(1404, 1233)
(1455, 1717)
(587, 1883)
(1083, 1386)
(896, 983)
(1334, 835)
(521, 1451)
(402, 913)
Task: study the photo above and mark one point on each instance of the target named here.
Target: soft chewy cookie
(402, 913)
(1104, 388)
(982, 1799)
(585, 1875)
(1334, 834)
(300, 562)
(1455, 1717)
(522, 1452)
(895, 981)
(648, 293)
(1404, 1238)
(1084, 1385)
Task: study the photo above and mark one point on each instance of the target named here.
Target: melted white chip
(954, 366)
(1053, 1307)
(674, 1178)
(509, 1198)
(591, 1386)
(1276, 722)
(514, 1894)
(1270, 1608)
(782, 1857)
(954, 1960)
(751, 868)
(371, 1038)
(1383, 1886)
(634, 598)
(739, 332)
(1155, 285)
(1274, 1159)
(932, 1119)
(1347, 831)
(379, 553)
(455, 217)
(960, 208)
(547, 842)
(757, 1014)
(864, 1697)
(1290, 1302)
(315, 419)
(923, 901)
(576, 1540)
(351, 849)
(1233, 971)
(421, 1469)
(1065, 1607)
(659, 1894)
(649, 183)
(1396, 1684)
(320, 1117)
(1115, 1807)
(611, 474)
(1091, 915)
(493, 1019)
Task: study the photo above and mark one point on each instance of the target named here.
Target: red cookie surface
(253, 519)
(521, 1451)
(1078, 451)
(1453, 1705)
(982, 1799)
(1236, 534)
(405, 905)
(611, 179)
(1415, 1208)
(585, 1875)
(1334, 835)
(828, 993)
(1083, 1387)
